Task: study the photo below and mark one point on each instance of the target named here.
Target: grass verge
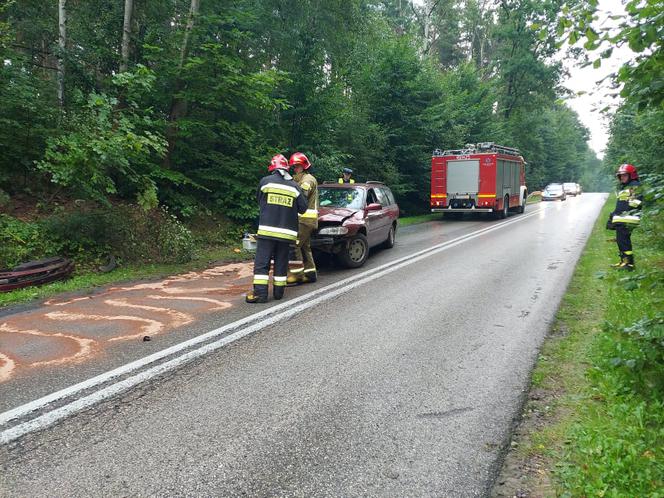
(593, 424)
(422, 218)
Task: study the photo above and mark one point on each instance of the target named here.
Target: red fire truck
(482, 177)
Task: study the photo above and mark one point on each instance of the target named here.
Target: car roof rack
(374, 182)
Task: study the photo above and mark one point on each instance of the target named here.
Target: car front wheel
(356, 251)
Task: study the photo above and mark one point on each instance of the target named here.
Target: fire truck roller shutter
(463, 177)
(502, 172)
(516, 182)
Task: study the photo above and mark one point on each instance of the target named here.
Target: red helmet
(629, 170)
(278, 162)
(299, 159)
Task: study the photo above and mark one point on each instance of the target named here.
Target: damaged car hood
(332, 215)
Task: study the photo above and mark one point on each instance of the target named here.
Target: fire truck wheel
(355, 253)
(504, 213)
(522, 207)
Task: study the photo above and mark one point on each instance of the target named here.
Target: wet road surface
(403, 383)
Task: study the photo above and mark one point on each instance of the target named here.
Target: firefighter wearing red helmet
(302, 268)
(626, 215)
(280, 201)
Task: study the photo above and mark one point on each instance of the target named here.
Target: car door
(391, 209)
(374, 220)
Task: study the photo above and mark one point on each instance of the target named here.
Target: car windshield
(553, 188)
(351, 198)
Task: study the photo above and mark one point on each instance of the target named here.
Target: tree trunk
(179, 105)
(193, 12)
(126, 35)
(62, 42)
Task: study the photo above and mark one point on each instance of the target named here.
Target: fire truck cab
(482, 177)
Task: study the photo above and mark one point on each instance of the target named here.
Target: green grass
(605, 386)
(422, 218)
(86, 279)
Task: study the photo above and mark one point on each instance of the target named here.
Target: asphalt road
(405, 382)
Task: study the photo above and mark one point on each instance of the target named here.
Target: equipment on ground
(35, 273)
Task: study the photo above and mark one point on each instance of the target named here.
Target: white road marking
(281, 311)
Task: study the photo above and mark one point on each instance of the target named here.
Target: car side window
(389, 196)
(382, 198)
(371, 197)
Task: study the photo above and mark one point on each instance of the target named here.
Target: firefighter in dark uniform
(302, 269)
(346, 176)
(279, 200)
(626, 215)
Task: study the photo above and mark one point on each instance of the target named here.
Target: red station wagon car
(353, 217)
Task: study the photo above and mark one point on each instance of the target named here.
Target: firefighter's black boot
(278, 292)
(294, 280)
(621, 263)
(629, 262)
(309, 277)
(255, 297)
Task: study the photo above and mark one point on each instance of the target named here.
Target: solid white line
(293, 306)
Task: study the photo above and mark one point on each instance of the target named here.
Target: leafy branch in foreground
(642, 31)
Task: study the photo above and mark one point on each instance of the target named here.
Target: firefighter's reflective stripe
(438, 196)
(277, 232)
(280, 281)
(276, 188)
(482, 196)
(624, 195)
(296, 270)
(310, 270)
(310, 213)
(634, 203)
(341, 180)
(261, 279)
(628, 253)
(628, 219)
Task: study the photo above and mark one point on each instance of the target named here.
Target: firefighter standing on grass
(302, 269)
(626, 216)
(279, 200)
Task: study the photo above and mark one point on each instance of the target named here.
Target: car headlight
(333, 231)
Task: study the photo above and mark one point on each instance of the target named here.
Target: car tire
(355, 252)
(391, 238)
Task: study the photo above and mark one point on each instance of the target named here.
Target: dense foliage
(617, 442)
(182, 102)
